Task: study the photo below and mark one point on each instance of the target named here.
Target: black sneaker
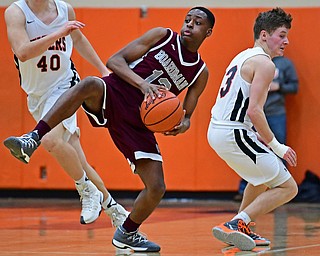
(23, 147)
(134, 241)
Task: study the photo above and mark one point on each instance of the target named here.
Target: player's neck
(45, 10)
(38, 5)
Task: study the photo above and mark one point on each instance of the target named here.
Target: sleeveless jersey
(53, 67)
(232, 102)
(168, 63)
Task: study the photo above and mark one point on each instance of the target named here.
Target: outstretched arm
(20, 43)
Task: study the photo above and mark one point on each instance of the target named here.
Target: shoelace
(138, 237)
(86, 198)
(28, 141)
(253, 234)
(243, 227)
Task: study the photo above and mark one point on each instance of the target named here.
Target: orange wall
(189, 164)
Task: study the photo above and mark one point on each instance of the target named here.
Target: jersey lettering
(162, 81)
(171, 69)
(54, 63)
(231, 73)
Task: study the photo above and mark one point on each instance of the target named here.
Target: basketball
(161, 114)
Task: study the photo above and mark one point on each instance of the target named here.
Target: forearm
(35, 48)
(260, 123)
(120, 67)
(86, 51)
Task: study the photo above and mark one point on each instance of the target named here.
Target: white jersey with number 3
(53, 67)
(230, 131)
(233, 97)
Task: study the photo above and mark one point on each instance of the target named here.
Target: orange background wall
(190, 164)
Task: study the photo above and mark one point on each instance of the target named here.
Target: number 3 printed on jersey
(53, 62)
(231, 73)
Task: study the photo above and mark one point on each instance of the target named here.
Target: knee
(51, 143)
(292, 190)
(157, 190)
(89, 84)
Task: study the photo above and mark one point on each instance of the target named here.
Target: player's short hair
(210, 15)
(270, 21)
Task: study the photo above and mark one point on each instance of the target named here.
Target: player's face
(196, 27)
(278, 41)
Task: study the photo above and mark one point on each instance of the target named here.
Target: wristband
(277, 148)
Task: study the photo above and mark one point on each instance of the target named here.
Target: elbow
(22, 56)
(252, 113)
(111, 62)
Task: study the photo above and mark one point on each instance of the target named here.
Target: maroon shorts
(120, 113)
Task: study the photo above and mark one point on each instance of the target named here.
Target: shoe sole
(135, 249)
(262, 243)
(259, 243)
(238, 239)
(82, 221)
(15, 149)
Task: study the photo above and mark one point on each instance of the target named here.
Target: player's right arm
(118, 62)
(18, 37)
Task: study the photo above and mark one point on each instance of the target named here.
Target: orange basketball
(161, 114)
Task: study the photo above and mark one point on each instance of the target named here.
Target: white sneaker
(117, 213)
(91, 199)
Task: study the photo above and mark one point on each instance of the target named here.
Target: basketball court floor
(181, 227)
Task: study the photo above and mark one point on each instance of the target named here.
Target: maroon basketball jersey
(170, 64)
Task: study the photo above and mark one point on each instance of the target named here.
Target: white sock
(82, 180)
(108, 202)
(243, 216)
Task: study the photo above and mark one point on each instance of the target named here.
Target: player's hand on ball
(182, 127)
(153, 91)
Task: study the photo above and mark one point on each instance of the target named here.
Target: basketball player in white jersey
(42, 34)
(253, 153)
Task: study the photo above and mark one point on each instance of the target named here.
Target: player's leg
(91, 198)
(89, 91)
(151, 174)
(250, 194)
(272, 198)
(114, 210)
(127, 235)
(236, 231)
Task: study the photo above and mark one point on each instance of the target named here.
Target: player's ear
(263, 34)
(209, 32)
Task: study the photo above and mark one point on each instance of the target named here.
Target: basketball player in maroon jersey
(160, 59)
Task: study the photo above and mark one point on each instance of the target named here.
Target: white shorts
(39, 106)
(247, 156)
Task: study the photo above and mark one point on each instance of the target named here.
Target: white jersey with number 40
(53, 67)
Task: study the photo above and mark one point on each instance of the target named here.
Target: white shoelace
(28, 141)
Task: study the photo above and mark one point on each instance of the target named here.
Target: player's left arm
(84, 47)
(190, 102)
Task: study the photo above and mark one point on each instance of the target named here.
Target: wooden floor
(180, 227)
